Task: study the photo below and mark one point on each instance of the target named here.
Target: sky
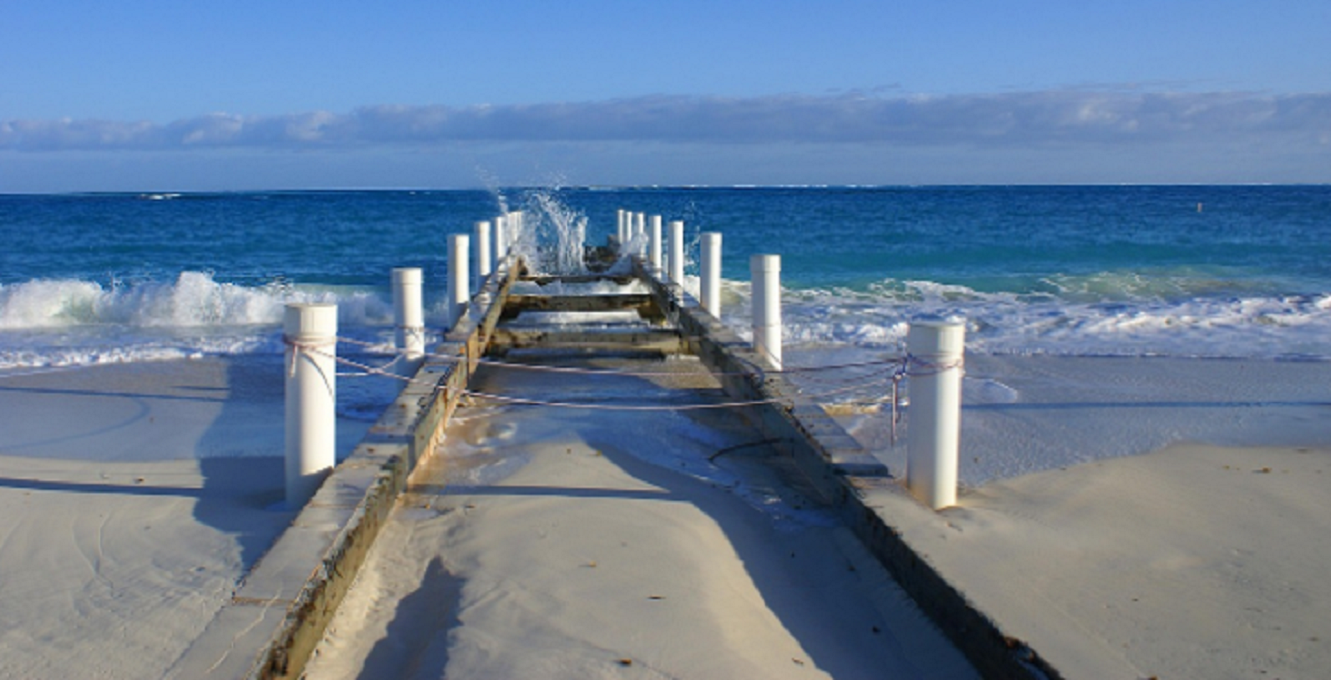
(290, 94)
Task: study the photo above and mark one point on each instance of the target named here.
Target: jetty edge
(867, 497)
(280, 609)
(279, 612)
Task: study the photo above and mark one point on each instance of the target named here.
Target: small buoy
(1199, 207)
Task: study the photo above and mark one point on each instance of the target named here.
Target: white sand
(1192, 562)
(111, 569)
(134, 498)
(590, 561)
(1095, 527)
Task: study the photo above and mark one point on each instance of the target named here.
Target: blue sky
(251, 95)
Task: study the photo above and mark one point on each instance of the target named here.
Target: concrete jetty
(279, 613)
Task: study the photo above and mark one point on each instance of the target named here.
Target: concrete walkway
(572, 543)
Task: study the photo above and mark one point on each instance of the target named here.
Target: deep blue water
(1076, 270)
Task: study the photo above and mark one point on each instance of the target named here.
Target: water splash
(554, 235)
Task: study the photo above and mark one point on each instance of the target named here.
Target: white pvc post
(935, 349)
(640, 229)
(459, 279)
(619, 229)
(654, 250)
(516, 227)
(512, 225)
(710, 288)
(311, 393)
(677, 252)
(407, 312)
(500, 241)
(482, 253)
(766, 284)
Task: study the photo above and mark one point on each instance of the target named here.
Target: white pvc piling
(408, 314)
(515, 226)
(619, 229)
(639, 230)
(676, 259)
(483, 260)
(310, 331)
(935, 354)
(654, 250)
(500, 241)
(459, 279)
(766, 284)
(710, 273)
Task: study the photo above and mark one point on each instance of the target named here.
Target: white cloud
(991, 120)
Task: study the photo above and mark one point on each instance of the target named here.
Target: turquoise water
(1194, 270)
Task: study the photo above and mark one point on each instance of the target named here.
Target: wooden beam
(646, 339)
(643, 303)
(545, 280)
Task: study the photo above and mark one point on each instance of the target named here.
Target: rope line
(902, 370)
(616, 407)
(592, 371)
(555, 404)
(381, 370)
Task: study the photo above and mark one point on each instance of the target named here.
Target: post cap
(935, 335)
(765, 263)
(310, 320)
(406, 275)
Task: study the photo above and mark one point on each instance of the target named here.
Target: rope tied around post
(928, 368)
(935, 361)
(318, 348)
(904, 370)
(310, 333)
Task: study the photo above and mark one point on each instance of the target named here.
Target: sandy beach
(1125, 517)
(135, 497)
(1190, 562)
(1142, 517)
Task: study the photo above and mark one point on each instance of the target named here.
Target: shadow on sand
(618, 437)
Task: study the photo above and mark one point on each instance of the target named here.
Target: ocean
(1186, 271)
(1101, 321)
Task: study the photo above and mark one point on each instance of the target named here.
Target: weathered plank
(643, 303)
(545, 280)
(666, 341)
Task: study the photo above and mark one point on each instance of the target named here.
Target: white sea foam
(193, 299)
(57, 322)
(64, 322)
(1008, 323)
